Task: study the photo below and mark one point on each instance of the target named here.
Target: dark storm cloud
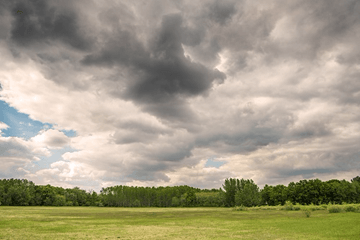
(163, 75)
(135, 131)
(221, 11)
(311, 129)
(37, 22)
(240, 142)
(173, 153)
(172, 111)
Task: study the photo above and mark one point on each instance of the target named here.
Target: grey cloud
(347, 89)
(209, 180)
(207, 53)
(314, 128)
(12, 148)
(57, 142)
(40, 22)
(163, 75)
(128, 136)
(314, 163)
(247, 129)
(173, 153)
(121, 138)
(138, 126)
(316, 27)
(174, 112)
(14, 155)
(241, 142)
(136, 131)
(120, 48)
(147, 175)
(221, 11)
(164, 72)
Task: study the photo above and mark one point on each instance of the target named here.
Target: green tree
(266, 195)
(190, 198)
(356, 179)
(175, 202)
(230, 190)
(59, 200)
(247, 193)
(136, 203)
(356, 187)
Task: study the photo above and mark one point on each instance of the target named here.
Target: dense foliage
(16, 192)
(235, 192)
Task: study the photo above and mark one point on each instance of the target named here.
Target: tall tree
(247, 193)
(230, 190)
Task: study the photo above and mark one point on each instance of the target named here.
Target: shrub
(350, 209)
(288, 206)
(240, 208)
(316, 208)
(296, 208)
(334, 209)
(267, 208)
(307, 213)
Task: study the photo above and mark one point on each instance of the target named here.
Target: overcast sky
(157, 93)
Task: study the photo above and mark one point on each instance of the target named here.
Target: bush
(316, 208)
(350, 209)
(334, 209)
(240, 208)
(288, 206)
(266, 208)
(307, 213)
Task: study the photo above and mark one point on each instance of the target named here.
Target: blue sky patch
(69, 133)
(211, 163)
(21, 125)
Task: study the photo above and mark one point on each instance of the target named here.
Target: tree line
(234, 192)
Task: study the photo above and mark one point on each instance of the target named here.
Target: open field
(174, 223)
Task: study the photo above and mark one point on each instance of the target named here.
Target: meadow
(308, 222)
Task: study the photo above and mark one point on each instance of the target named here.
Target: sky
(162, 93)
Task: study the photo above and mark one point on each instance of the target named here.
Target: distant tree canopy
(16, 192)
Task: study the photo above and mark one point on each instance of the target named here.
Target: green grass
(175, 223)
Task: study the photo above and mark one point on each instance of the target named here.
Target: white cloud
(3, 126)
(17, 154)
(52, 139)
(68, 174)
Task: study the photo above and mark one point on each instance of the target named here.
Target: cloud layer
(155, 89)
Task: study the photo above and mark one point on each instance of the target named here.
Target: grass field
(175, 223)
